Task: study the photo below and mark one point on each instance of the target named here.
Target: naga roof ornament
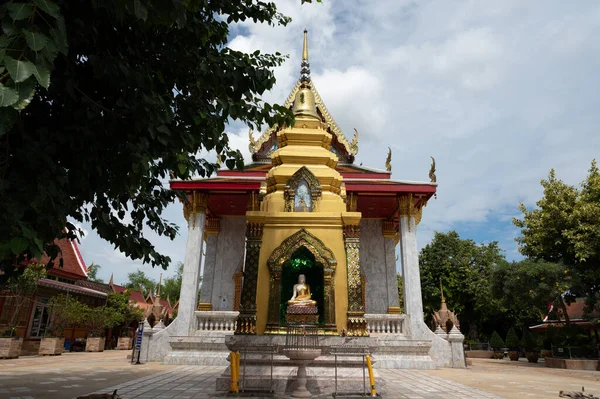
(303, 82)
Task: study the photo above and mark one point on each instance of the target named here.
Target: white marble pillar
(390, 268)
(409, 253)
(188, 298)
(210, 262)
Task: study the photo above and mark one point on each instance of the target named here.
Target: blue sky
(498, 92)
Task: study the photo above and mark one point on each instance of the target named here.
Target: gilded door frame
(280, 255)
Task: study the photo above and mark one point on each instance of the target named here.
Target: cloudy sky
(498, 92)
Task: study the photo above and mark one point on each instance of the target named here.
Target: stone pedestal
(302, 314)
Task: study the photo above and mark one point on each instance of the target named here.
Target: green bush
(496, 342)
(512, 341)
(528, 342)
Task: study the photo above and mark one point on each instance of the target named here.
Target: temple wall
(373, 265)
(229, 259)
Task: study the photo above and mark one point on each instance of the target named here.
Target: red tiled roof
(71, 288)
(72, 262)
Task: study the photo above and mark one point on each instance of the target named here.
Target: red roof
(72, 262)
(71, 288)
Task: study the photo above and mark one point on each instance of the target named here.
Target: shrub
(66, 311)
(528, 342)
(496, 342)
(512, 341)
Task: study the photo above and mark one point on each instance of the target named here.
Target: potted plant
(512, 342)
(530, 345)
(497, 345)
(10, 343)
(64, 311)
(129, 313)
(20, 289)
(98, 320)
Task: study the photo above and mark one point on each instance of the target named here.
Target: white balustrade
(220, 321)
(384, 324)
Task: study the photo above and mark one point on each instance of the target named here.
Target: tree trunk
(564, 309)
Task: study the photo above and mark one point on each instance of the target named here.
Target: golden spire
(442, 291)
(158, 289)
(305, 47)
(305, 66)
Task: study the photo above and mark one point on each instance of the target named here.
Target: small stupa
(445, 318)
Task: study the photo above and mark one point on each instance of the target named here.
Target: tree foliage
(92, 272)
(465, 269)
(525, 289)
(65, 311)
(171, 286)
(119, 95)
(139, 279)
(23, 286)
(496, 341)
(120, 303)
(565, 227)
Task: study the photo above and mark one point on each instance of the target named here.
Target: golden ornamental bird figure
(252, 145)
(354, 143)
(432, 170)
(388, 161)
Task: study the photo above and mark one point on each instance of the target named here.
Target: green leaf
(48, 7)
(19, 70)
(8, 96)
(19, 11)
(35, 41)
(18, 245)
(42, 75)
(141, 12)
(8, 117)
(60, 36)
(26, 92)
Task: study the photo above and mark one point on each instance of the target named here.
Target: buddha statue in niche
(301, 293)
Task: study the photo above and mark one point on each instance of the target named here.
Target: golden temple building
(303, 234)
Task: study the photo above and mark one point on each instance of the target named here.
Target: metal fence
(477, 346)
(360, 351)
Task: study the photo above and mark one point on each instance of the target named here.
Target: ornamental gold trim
(195, 203)
(301, 238)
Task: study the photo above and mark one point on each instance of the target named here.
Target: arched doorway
(302, 261)
(301, 251)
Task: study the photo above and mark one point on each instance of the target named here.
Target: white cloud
(498, 92)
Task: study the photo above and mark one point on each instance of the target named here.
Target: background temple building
(303, 207)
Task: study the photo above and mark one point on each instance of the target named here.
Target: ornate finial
(111, 282)
(354, 143)
(219, 160)
(158, 289)
(442, 291)
(172, 175)
(305, 47)
(432, 170)
(305, 66)
(388, 161)
(252, 145)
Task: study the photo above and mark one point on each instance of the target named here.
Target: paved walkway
(74, 374)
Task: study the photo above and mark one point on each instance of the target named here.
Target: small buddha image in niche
(302, 197)
(301, 293)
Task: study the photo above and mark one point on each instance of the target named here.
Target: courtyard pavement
(74, 374)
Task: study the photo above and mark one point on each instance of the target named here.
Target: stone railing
(220, 321)
(379, 324)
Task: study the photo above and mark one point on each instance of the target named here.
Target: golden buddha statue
(302, 295)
